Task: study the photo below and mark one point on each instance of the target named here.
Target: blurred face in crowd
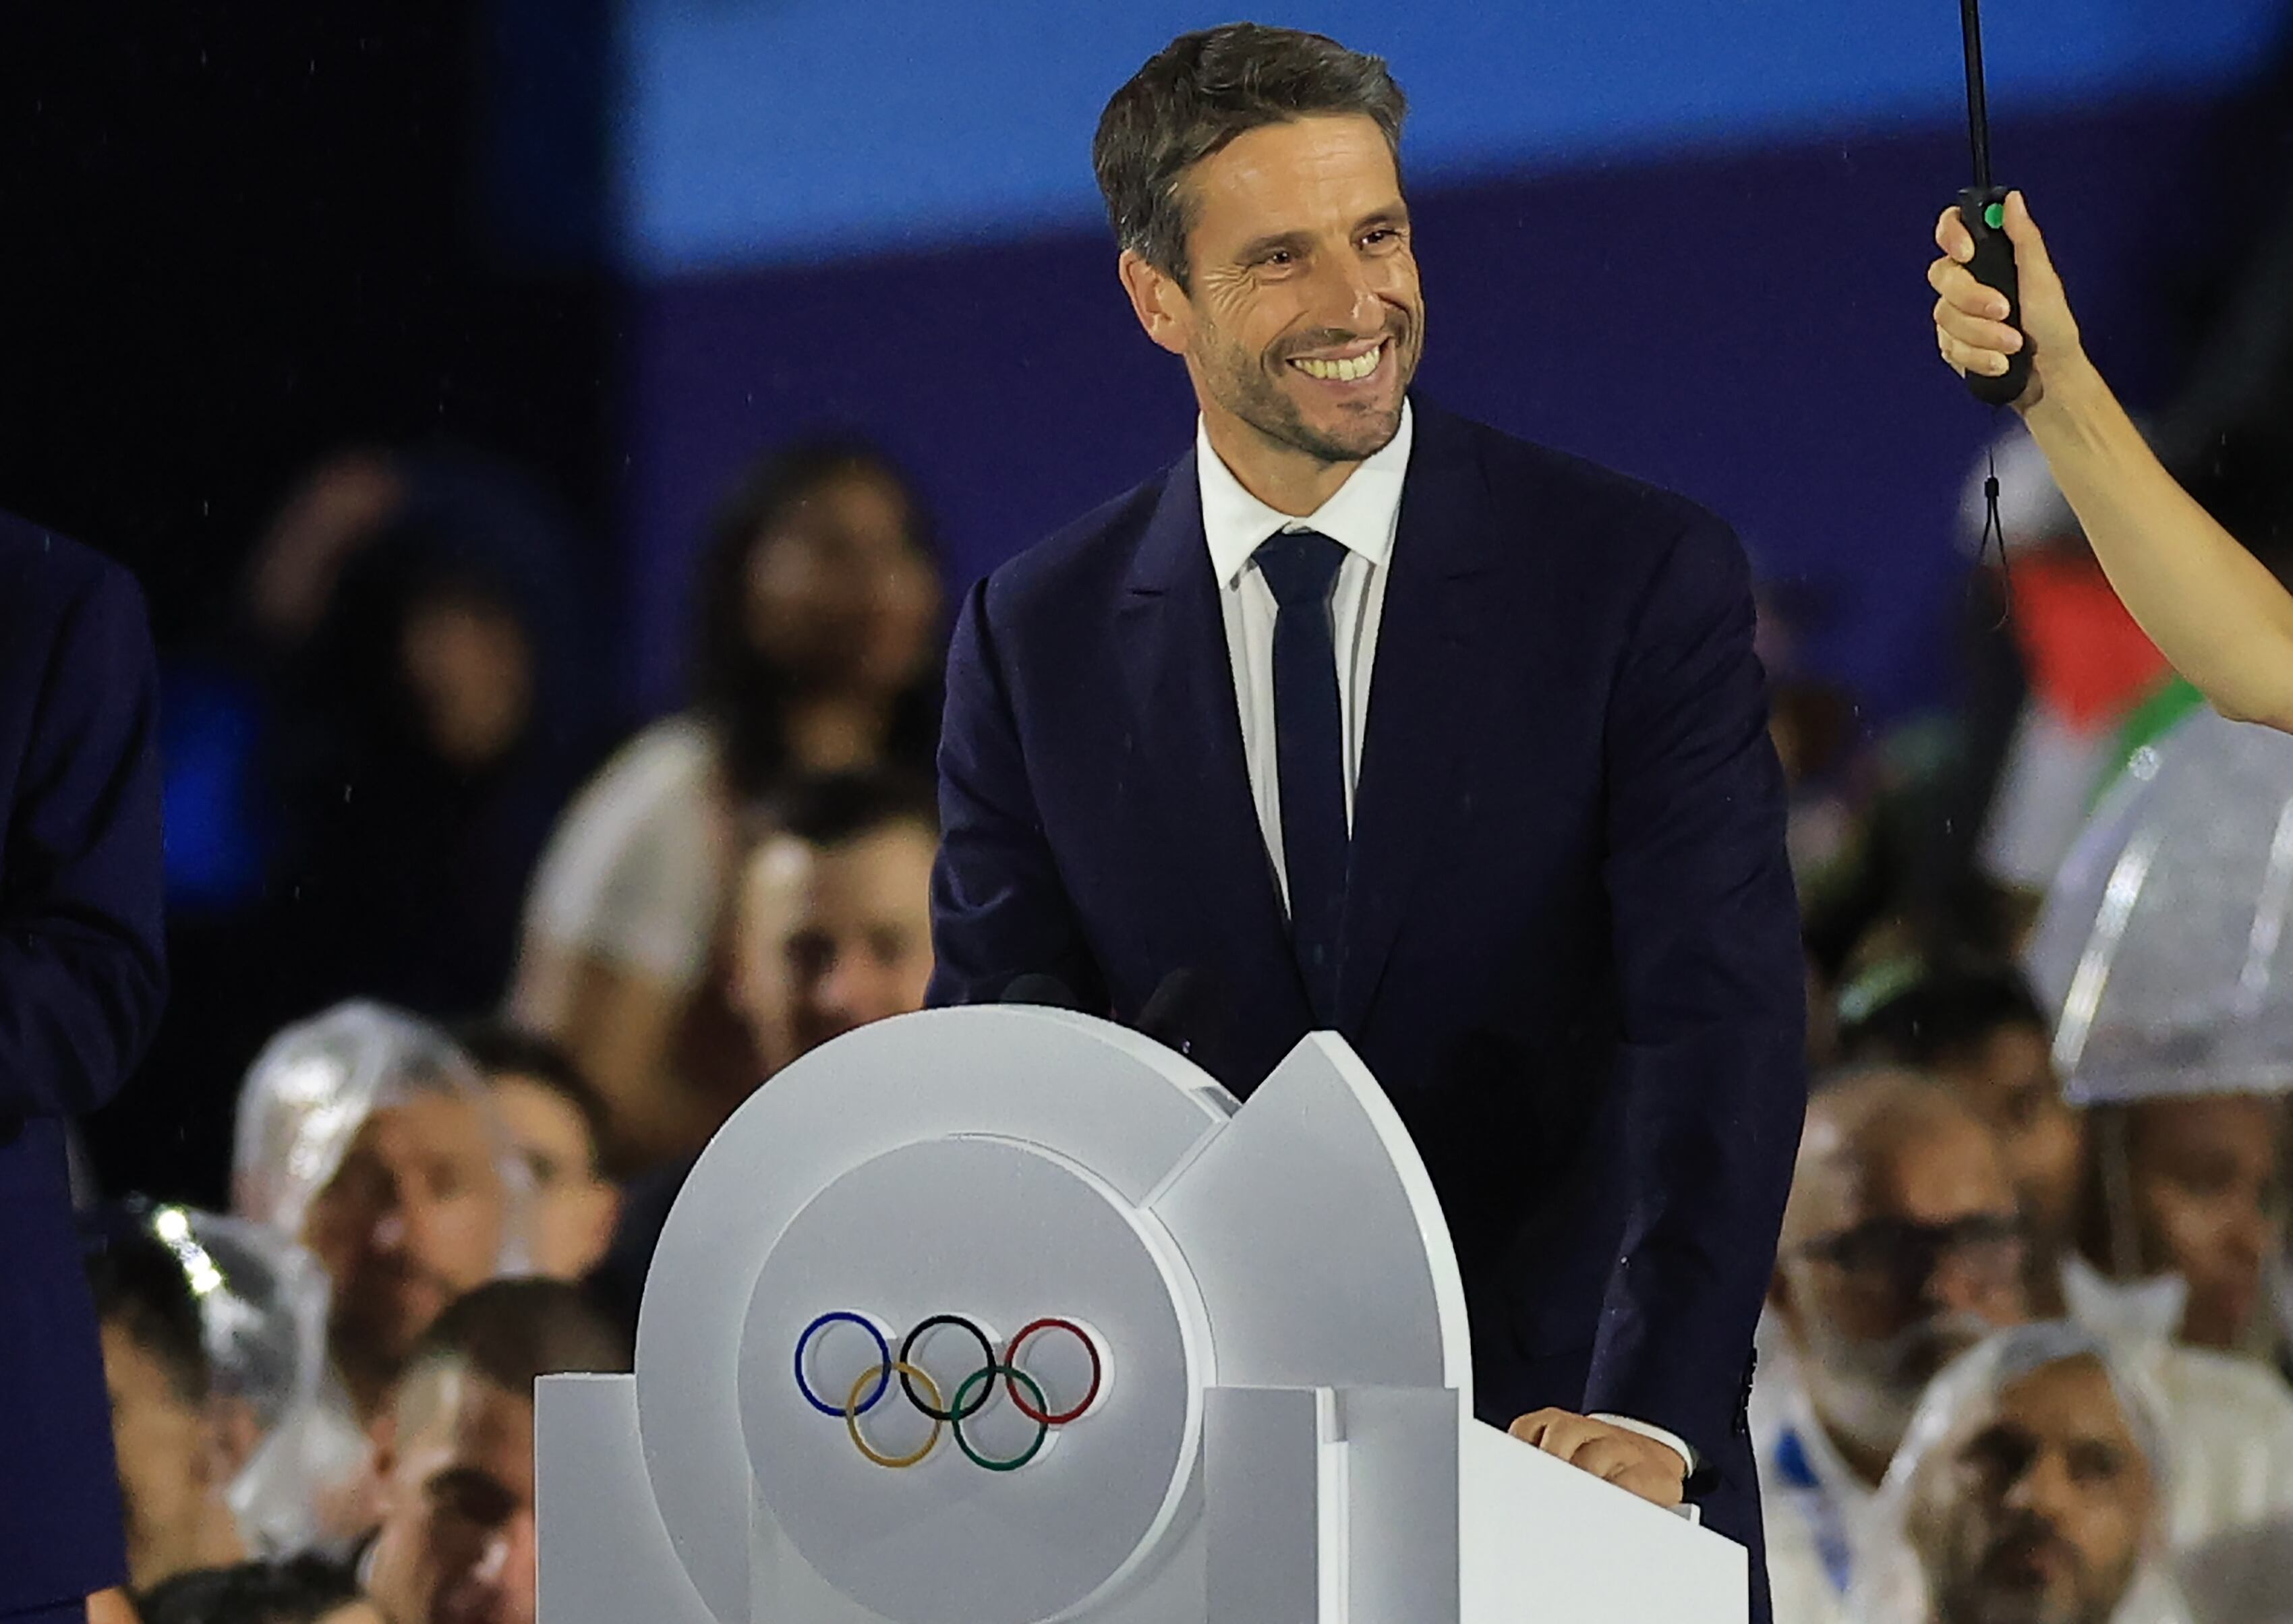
(831, 938)
(573, 1206)
(840, 596)
(170, 1467)
(333, 513)
(2036, 1515)
(414, 1217)
(2206, 1179)
(1301, 321)
(1901, 1248)
(2008, 1081)
(469, 670)
(456, 1541)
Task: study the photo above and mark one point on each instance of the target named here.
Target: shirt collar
(1360, 514)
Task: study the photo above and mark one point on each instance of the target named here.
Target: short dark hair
(1917, 1013)
(1203, 90)
(515, 1332)
(302, 1590)
(499, 1049)
(828, 809)
(139, 1285)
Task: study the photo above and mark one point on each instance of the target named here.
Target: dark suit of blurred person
(82, 979)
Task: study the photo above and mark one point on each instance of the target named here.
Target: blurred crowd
(468, 988)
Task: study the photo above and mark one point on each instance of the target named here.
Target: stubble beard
(1243, 386)
(1967, 1600)
(1869, 1393)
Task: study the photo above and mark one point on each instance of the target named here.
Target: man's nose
(1346, 296)
(515, 1583)
(391, 1230)
(840, 994)
(1952, 1285)
(503, 1581)
(2245, 1239)
(2042, 1491)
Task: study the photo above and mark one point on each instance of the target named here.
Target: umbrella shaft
(1978, 111)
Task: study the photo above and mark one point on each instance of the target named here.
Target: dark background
(241, 236)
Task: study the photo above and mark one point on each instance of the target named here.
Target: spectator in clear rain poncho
(2030, 1489)
(262, 1313)
(166, 1402)
(2163, 947)
(367, 1137)
(1901, 1247)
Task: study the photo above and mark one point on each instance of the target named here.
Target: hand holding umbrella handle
(1983, 209)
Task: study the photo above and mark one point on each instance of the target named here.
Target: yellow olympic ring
(900, 1367)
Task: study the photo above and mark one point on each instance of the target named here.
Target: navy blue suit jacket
(82, 979)
(1571, 952)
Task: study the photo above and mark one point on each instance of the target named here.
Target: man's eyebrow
(1393, 214)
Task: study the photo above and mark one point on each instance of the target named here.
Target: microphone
(1037, 988)
(1184, 1012)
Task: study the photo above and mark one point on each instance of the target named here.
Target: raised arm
(2209, 604)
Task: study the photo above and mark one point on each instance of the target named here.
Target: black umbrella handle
(1983, 210)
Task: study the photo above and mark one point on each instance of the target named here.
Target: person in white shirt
(1899, 1251)
(1902, 1247)
(2030, 1489)
(819, 604)
(364, 1136)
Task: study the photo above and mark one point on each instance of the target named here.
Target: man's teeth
(1340, 371)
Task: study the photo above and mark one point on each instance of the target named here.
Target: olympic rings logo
(948, 1411)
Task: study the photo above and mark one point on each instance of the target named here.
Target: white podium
(1007, 1315)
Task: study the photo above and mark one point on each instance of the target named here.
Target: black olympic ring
(955, 1410)
(960, 1405)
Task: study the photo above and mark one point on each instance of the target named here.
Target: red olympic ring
(1011, 1359)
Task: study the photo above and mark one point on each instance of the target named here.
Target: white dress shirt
(1361, 517)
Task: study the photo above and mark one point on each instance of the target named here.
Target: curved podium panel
(1009, 1316)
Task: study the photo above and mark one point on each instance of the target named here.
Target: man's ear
(1157, 300)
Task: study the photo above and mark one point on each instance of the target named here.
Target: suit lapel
(1188, 733)
(1442, 630)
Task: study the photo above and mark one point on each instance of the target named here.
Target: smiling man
(1375, 720)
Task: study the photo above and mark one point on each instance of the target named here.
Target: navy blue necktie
(1309, 753)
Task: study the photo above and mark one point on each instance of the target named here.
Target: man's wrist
(1678, 1445)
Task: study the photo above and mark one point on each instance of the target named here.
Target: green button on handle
(1983, 209)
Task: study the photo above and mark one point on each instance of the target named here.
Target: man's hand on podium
(1652, 1470)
